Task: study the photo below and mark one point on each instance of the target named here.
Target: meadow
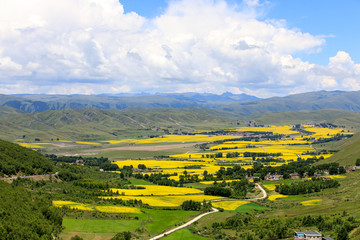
(218, 152)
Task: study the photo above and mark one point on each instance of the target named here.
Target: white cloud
(92, 46)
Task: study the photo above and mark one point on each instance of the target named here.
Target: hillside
(25, 215)
(15, 160)
(349, 151)
(338, 117)
(311, 101)
(4, 110)
(94, 124)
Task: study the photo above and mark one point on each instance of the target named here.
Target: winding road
(213, 210)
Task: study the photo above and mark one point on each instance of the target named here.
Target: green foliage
(315, 185)
(76, 237)
(126, 235)
(15, 159)
(24, 215)
(357, 162)
(247, 226)
(217, 191)
(190, 205)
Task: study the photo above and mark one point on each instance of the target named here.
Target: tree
(126, 235)
(76, 237)
(342, 234)
(333, 170)
(358, 162)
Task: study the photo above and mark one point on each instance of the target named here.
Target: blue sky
(336, 19)
(258, 47)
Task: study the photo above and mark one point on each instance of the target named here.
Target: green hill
(15, 159)
(311, 101)
(94, 124)
(338, 117)
(4, 110)
(349, 151)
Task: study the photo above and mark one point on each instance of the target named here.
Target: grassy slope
(338, 117)
(299, 102)
(349, 151)
(91, 124)
(346, 197)
(4, 110)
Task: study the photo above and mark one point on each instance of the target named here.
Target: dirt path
(213, 210)
(32, 177)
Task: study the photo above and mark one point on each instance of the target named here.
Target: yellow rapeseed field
(311, 202)
(116, 209)
(173, 139)
(157, 190)
(211, 182)
(167, 201)
(88, 143)
(229, 205)
(73, 205)
(276, 196)
(33, 145)
(88, 207)
(270, 187)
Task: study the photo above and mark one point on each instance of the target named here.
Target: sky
(258, 47)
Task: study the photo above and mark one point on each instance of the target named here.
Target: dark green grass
(99, 226)
(250, 206)
(159, 220)
(184, 234)
(135, 181)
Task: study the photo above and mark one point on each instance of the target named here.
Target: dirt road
(214, 210)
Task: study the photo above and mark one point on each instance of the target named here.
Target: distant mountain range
(238, 105)
(40, 103)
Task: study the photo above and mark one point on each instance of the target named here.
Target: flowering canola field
(231, 151)
(167, 201)
(229, 205)
(156, 190)
(88, 207)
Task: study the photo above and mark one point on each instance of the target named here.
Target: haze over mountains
(228, 103)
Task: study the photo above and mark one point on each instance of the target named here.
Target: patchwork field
(184, 157)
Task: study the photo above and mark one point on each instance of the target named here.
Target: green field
(184, 234)
(159, 220)
(250, 206)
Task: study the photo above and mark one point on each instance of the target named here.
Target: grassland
(194, 162)
(184, 234)
(349, 151)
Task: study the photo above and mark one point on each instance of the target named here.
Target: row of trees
(315, 185)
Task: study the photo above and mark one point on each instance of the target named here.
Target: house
(326, 178)
(307, 235)
(294, 175)
(327, 238)
(253, 178)
(271, 177)
(353, 168)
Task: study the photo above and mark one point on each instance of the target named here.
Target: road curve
(262, 190)
(213, 210)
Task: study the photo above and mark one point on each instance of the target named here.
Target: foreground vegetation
(94, 196)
